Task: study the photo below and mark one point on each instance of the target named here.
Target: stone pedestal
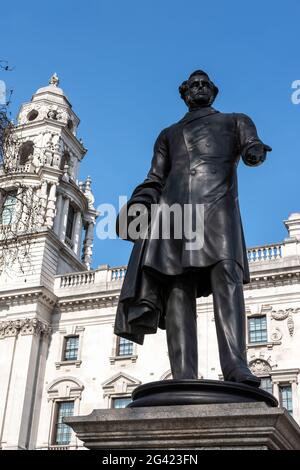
(198, 427)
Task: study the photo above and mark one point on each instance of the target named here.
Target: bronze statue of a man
(194, 164)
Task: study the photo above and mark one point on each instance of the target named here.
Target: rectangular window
(8, 209)
(120, 402)
(257, 327)
(63, 431)
(70, 222)
(71, 348)
(125, 347)
(286, 401)
(266, 384)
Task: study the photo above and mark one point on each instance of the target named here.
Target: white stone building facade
(58, 354)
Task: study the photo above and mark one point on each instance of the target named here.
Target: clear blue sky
(120, 64)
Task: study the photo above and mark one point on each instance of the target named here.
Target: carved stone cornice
(65, 305)
(24, 326)
(26, 296)
(272, 280)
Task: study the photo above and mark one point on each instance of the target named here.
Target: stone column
(37, 401)
(8, 337)
(88, 245)
(51, 206)
(27, 208)
(57, 219)
(276, 390)
(18, 210)
(64, 218)
(21, 393)
(77, 232)
(43, 203)
(295, 401)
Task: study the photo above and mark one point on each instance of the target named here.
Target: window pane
(125, 347)
(8, 209)
(71, 348)
(257, 327)
(266, 384)
(26, 149)
(286, 400)
(121, 402)
(70, 222)
(63, 431)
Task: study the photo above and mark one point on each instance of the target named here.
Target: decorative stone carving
(64, 116)
(287, 313)
(120, 383)
(10, 328)
(283, 314)
(52, 114)
(290, 324)
(88, 192)
(54, 80)
(260, 367)
(65, 387)
(33, 326)
(276, 335)
(280, 314)
(88, 245)
(51, 206)
(27, 326)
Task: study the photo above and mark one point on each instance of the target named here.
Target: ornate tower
(44, 205)
(47, 219)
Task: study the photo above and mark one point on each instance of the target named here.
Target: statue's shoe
(244, 376)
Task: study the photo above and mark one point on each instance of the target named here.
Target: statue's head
(198, 90)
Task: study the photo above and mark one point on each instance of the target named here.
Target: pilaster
(28, 335)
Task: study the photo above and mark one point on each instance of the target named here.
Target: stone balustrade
(77, 279)
(9, 169)
(118, 273)
(264, 253)
(107, 278)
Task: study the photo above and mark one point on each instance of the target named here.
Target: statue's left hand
(256, 154)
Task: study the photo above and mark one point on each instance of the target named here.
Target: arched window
(62, 433)
(118, 389)
(25, 151)
(70, 222)
(70, 124)
(64, 396)
(65, 160)
(8, 209)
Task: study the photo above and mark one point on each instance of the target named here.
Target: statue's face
(200, 91)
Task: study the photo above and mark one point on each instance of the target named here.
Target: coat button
(214, 170)
(193, 172)
(207, 145)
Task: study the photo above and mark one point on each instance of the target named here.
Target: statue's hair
(184, 86)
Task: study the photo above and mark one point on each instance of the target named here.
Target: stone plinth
(222, 426)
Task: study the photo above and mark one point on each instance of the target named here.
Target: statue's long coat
(195, 162)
